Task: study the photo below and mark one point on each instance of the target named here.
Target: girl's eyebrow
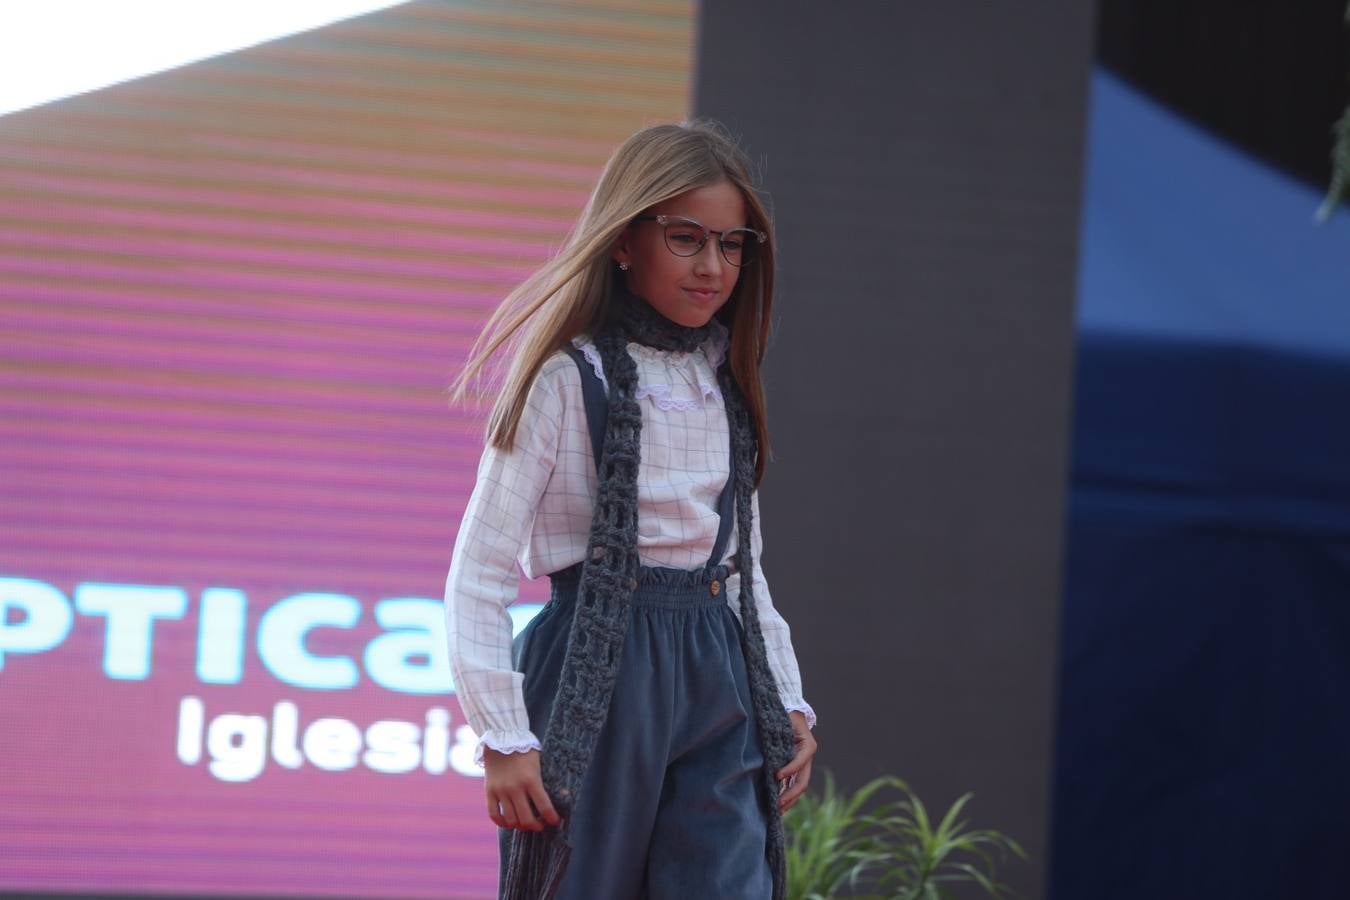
(700, 224)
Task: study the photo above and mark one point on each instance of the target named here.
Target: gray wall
(924, 162)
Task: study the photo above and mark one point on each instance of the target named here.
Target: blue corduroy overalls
(671, 807)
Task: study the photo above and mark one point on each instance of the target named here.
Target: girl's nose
(708, 259)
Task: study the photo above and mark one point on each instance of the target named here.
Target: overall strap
(597, 417)
(726, 508)
(597, 404)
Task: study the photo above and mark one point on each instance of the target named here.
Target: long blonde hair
(571, 294)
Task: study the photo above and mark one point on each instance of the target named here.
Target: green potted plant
(880, 844)
(1339, 188)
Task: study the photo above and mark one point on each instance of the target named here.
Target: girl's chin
(690, 313)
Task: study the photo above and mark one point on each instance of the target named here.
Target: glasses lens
(685, 238)
(740, 246)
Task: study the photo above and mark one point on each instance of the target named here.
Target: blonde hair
(572, 293)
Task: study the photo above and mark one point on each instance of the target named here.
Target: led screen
(233, 296)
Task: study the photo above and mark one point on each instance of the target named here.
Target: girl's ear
(623, 250)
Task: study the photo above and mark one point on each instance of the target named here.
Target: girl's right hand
(515, 791)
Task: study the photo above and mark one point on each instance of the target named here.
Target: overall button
(715, 587)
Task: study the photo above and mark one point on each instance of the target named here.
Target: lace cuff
(804, 708)
(506, 741)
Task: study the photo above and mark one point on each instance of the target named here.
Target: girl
(623, 456)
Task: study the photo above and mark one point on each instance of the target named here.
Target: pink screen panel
(233, 296)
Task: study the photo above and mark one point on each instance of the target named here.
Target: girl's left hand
(796, 775)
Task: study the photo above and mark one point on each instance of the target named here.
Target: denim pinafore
(671, 807)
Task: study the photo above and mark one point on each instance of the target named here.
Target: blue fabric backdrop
(1204, 713)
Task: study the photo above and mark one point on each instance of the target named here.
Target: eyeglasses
(687, 237)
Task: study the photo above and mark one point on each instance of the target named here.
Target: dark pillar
(924, 163)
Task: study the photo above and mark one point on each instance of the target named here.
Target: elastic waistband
(657, 586)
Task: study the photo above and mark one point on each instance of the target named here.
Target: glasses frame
(664, 221)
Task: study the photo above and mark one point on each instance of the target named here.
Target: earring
(623, 267)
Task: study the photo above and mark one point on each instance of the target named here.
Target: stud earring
(623, 267)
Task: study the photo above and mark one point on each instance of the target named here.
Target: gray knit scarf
(537, 860)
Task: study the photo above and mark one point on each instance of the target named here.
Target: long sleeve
(483, 579)
(777, 636)
(534, 506)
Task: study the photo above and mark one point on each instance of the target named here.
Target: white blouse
(534, 505)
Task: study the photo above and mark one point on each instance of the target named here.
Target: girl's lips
(701, 293)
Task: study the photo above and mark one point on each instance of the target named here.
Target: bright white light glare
(52, 49)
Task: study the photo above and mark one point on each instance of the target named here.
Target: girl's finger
(495, 812)
(795, 790)
(509, 812)
(525, 819)
(804, 753)
(542, 804)
(790, 769)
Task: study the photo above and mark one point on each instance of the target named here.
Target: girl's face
(687, 290)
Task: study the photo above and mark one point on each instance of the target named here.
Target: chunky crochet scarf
(536, 860)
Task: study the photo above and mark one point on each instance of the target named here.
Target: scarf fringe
(535, 864)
